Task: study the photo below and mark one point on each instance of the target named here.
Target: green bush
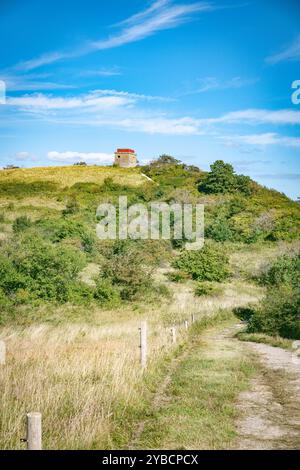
(105, 293)
(72, 207)
(285, 270)
(21, 223)
(21, 189)
(178, 276)
(46, 271)
(207, 288)
(222, 179)
(220, 230)
(244, 313)
(209, 264)
(279, 313)
(80, 293)
(10, 279)
(125, 267)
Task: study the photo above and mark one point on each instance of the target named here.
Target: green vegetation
(207, 288)
(222, 179)
(71, 304)
(276, 341)
(279, 312)
(209, 264)
(197, 409)
(56, 213)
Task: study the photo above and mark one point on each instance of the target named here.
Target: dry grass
(85, 378)
(68, 175)
(252, 259)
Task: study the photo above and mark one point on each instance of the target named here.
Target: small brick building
(125, 158)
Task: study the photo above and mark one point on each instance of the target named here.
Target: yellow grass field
(66, 176)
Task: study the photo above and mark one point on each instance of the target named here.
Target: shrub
(4, 301)
(178, 276)
(244, 313)
(46, 271)
(220, 230)
(10, 279)
(279, 313)
(125, 268)
(285, 270)
(209, 264)
(206, 288)
(105, 293)
(72, 207)
(80, 293)
(222, 179)
(21, 223)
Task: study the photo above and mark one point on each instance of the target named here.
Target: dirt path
(270, 409)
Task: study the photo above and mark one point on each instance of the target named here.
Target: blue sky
(200, 80)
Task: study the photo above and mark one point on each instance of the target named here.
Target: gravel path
(270, 409)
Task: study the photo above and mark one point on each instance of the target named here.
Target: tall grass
(85, 380)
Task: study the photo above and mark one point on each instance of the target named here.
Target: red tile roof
(125, 151)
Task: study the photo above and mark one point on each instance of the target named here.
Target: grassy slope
(83, 373)
(69, 175)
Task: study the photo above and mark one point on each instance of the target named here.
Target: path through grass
(197, 410)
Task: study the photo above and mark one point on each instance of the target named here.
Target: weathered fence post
(193, 318)
(173, 333)
(34, 431)
(186, 324)
(2, 353)
(143, 344)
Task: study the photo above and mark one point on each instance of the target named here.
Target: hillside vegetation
(71, 304)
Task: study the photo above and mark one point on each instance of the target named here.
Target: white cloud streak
(94, 101)
(265, 139)
(159, 16)
(259, 116)
(213, 83)
(291, 52)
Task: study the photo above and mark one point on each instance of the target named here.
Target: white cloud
(23, 156)
(73, 157)
(268, 138)
(213, 83)
(259, 116)
(164, 18)
(159, 16)
(94, 100)
(162, 125)
(291, 52)
(101, 72)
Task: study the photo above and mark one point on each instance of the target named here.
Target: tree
(223, 179)
(220, 179)
(165, 159)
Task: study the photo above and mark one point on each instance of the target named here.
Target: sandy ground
(270, 409)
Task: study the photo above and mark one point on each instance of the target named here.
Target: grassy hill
(71, 304)
(66, 176)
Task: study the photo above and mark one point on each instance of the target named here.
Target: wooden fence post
(173, 333)
(193, 318)
(34, 431)
(2, 353)
(186, 324)
(143, 344)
